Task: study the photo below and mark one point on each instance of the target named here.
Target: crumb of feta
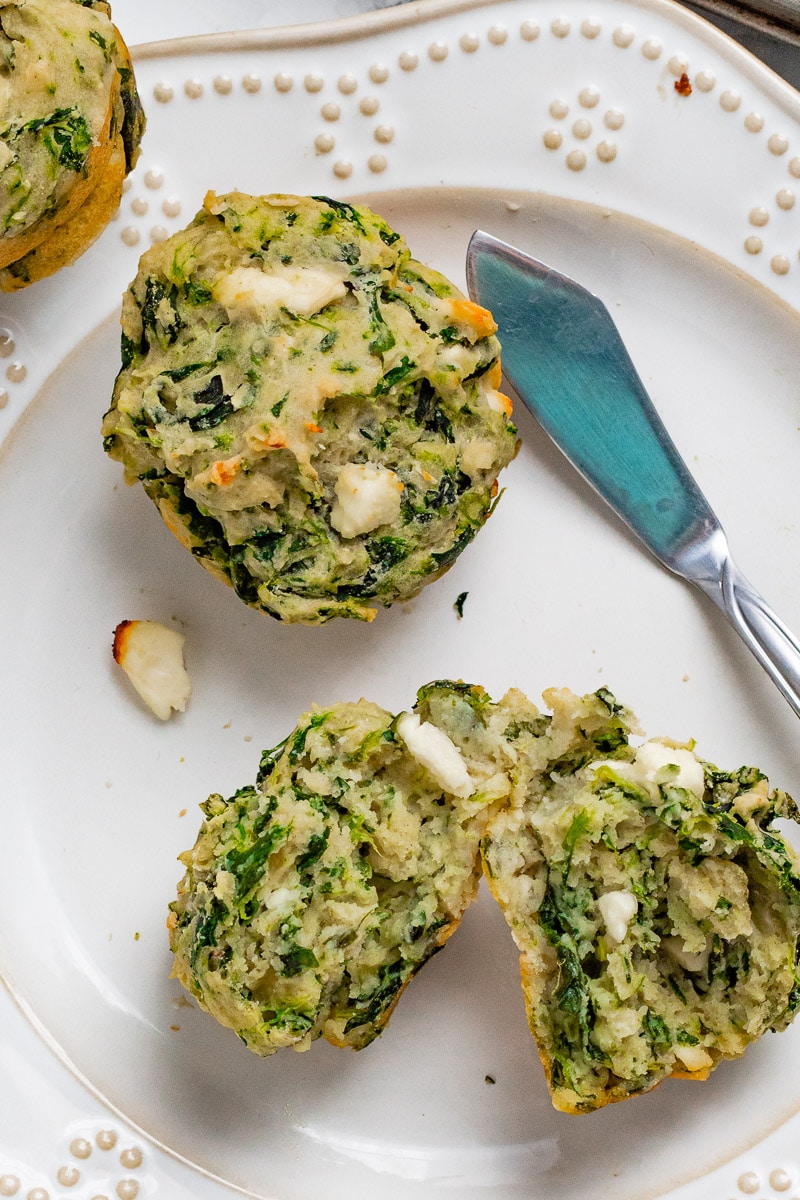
(152, 657)
(478, 455)
(367, 495)
(499, 401)
(661, 763)
(690, 960)
(434, 750)
(694, 1058)
(617, 910)
(302, 290)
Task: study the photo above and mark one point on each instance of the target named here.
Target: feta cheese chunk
(152, 657)
(499, 402)
(654, 756)
(367, 496)
(694, 1058)
(617, 910)
(690, 960)
(478, 455)
(302, 290)
(434, 750)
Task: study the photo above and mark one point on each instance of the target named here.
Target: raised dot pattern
(780, 263)
(623, 36)
(780, 1181)
(348, 85)
(469, 42)
(84, 1171)
(141, 207)
(582, 129)
(16, 373)
(89, 1169)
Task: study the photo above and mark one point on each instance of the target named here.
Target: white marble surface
(149, 20)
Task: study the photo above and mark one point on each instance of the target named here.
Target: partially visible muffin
(312, 898)
(70, 127)
(655, 905)
(315, 414)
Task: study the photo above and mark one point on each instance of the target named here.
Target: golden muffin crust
(70, 127)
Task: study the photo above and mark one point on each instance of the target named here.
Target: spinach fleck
(297, 959)
(66, 135)
(220, 406)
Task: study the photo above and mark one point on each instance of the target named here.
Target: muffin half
(312, 898)
(655, 906)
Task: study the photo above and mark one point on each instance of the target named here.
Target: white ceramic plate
(554, 124)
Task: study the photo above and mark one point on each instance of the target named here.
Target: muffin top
(315, 413)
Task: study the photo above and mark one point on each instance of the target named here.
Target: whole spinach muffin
(312, 898)
(655, 905)
(70, 127)
(315, 414)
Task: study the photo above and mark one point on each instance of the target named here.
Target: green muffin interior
(312, 898)
(654, 903)
(656, 908)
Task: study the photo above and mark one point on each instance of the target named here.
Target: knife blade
(565, 359)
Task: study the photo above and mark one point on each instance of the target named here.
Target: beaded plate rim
(778, 1172)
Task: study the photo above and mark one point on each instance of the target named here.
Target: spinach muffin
(70, 127)
(315, 414)
(655, 906)
(312, 898)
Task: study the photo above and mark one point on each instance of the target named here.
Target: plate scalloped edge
(594, 107)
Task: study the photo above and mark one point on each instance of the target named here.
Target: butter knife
(564, 357)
